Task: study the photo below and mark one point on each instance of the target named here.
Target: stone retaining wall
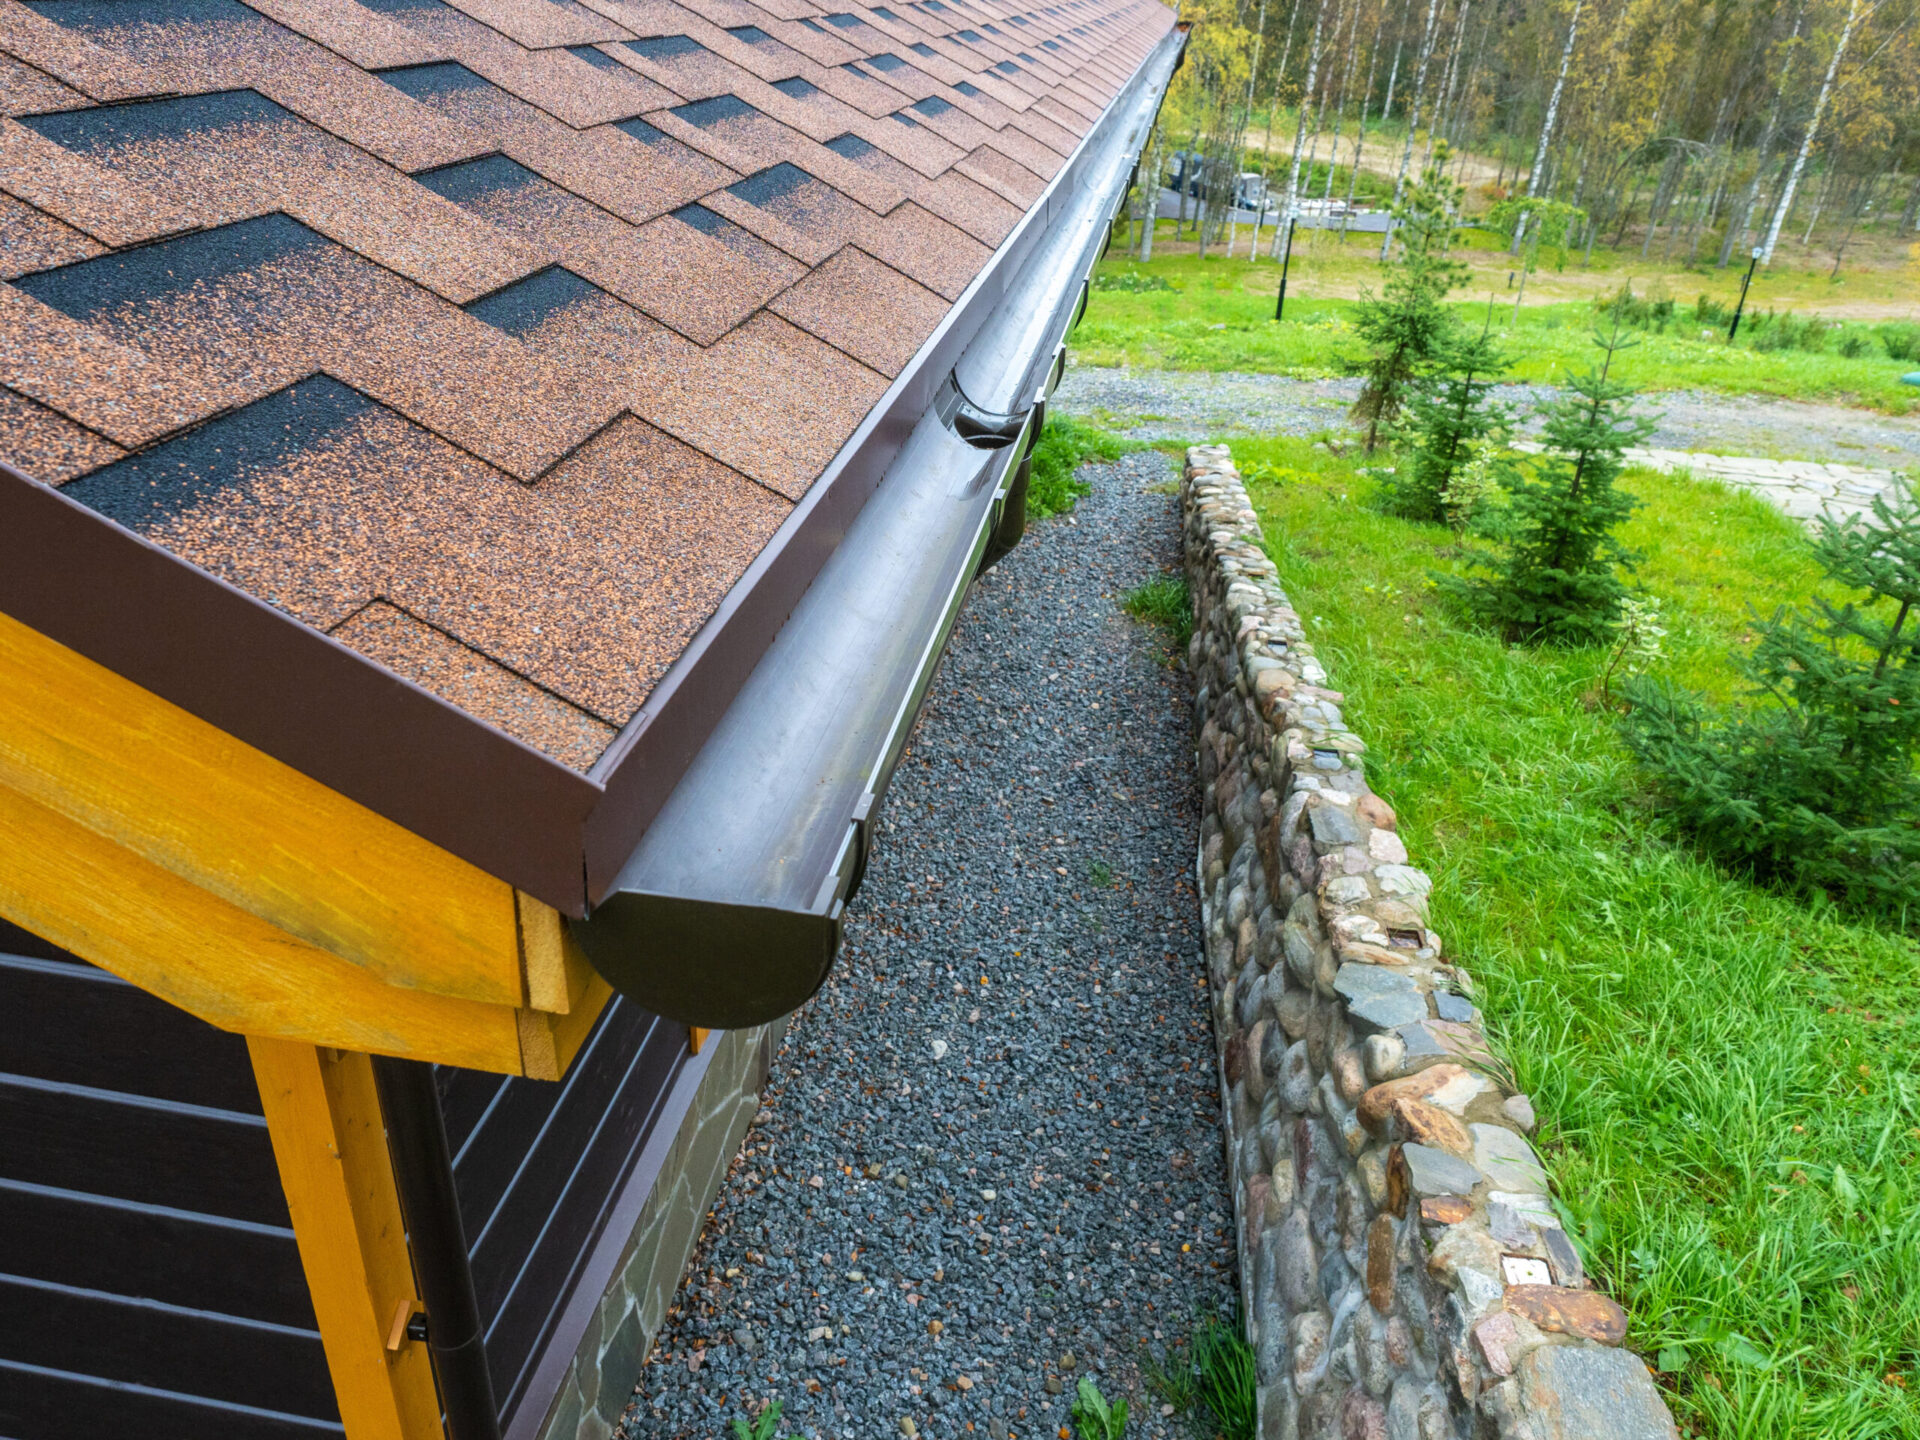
(1403, 1272)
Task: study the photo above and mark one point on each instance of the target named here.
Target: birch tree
(1546, 125)
(1785, 203)
(1413, 120)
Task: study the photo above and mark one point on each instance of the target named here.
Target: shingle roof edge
(344, 720)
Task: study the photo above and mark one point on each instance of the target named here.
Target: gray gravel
(1157, 405)
(988, 1138)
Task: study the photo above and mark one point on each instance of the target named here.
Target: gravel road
(989, 1141)
(1193, 405)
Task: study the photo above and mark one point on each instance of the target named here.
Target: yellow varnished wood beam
(558, 971)
(548, 1043)
(323, 1115)
(249, 830)
(127, 914)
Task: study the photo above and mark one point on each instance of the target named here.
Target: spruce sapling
(1556, 580)
(1813, 782)
(1405, 325)
(1452, 412)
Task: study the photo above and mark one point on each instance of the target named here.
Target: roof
(495, 339)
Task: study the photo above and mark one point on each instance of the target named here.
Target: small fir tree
(1812, 783)
(1452, 412)
(1405, 325)
(1558, 580)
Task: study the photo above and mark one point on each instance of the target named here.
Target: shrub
(1224, 1367)
(1556, 582)
(1901, 340)
(1814, 782)
(1407, 323)
(1709, 311)
(1854, 343)
(1451, 414)
(763, 1426)
(1065, 445)
(1131, 282)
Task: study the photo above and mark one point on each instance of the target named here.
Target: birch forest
(1697, 132)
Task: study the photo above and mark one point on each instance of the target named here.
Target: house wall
(1404, 1272)
(651, 1246)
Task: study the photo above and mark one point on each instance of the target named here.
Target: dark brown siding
(537, 1165)
(149, 1283)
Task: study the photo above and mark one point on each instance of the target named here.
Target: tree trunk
(1360, 135)
(1910, 219)
(1413, 120)
(1445, 94)
(1306, 101)
(1813, 131)
(1546, 125)
(1151, 175)
(1399, 44)
(1340, 110)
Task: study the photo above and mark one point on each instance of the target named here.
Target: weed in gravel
(1094, 1417)
(1065, 445)
(762, 1426)
(1223, 1363)
(1163, 600)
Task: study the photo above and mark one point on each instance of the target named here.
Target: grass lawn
(1727, 1081)
(1217, 314)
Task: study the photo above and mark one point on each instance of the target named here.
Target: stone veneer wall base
(1403, 1272)
(606, 1367)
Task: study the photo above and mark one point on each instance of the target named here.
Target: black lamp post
(1734, 328)
(1286, 259)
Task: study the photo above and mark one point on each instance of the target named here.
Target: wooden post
(323, 1115)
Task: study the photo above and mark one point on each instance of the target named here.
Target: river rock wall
(1403, 1270)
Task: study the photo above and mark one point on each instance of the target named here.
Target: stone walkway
(1803, 489)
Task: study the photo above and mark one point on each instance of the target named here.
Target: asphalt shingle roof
(495, 338)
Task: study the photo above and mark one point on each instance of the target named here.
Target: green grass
(1726, 1076)
(1218, 315)
(1065, 445)
(1163, 601)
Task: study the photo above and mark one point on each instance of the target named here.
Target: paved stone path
(1803, 489)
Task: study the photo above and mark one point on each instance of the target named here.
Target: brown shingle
(111, 388)
(631, 168)
(31, 240)
(112, 209)
(458, 673)
(68, 55)
(25, 90)
(45, 444)
(871, 311)
(769, 400)
(540, 24)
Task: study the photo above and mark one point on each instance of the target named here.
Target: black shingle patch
(751, 34)
(851, 146)
(932, 5)
(126, 278)
(844, 20)
(886, 14)
(811, 24)
(109, 127)
(1049, 44)
(922, 48)
(641, 131)
(422, 81)
(146, 490)
(706, 221)
(932, 105)
(798, 87)
(472, 180)
(91, 17)
(1007, 67)
(902, 117)
(528, 304)
(887, 64)
(1031, 60)
(972, 37)
(991, 29)
(763, 187)
(965, 89)
(594, 55)
(665, 47)
(401, 7)
(1021, 20)
(705, 113)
